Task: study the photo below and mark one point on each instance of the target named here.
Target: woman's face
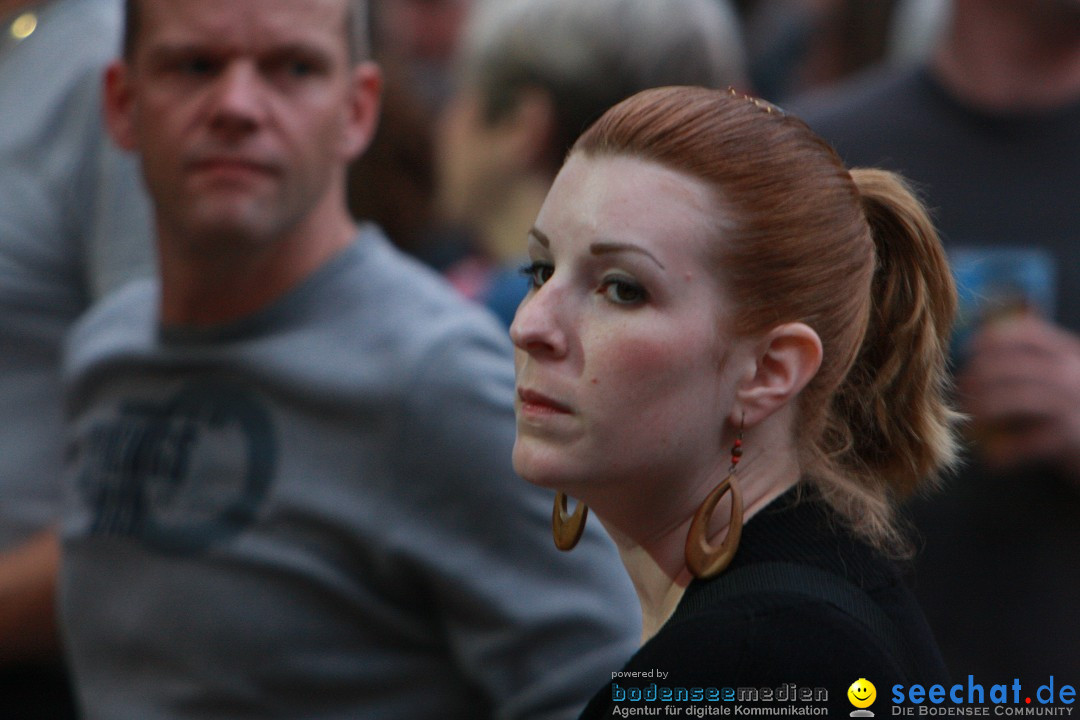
(620, 344)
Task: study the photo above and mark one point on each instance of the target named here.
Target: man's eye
(538, 273)
(292, 68)
(299, 68)
(198, 66)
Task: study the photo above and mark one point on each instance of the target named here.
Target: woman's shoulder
(805, 609)
(765, 649)
(804, 598)
(771, 636)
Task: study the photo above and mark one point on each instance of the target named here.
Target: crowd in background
(977, 102)
(785, 47)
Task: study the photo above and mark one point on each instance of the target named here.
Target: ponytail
(851, 254)
(890, 413)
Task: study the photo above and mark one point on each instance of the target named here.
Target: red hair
(853, 255)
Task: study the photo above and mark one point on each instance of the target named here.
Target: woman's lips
(538, 403)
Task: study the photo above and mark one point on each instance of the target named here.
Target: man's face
(245, 113)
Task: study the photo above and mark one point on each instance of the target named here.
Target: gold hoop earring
(566, 528)
(704, 560)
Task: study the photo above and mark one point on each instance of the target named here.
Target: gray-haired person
(532, 75)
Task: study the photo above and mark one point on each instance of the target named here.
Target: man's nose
(239, 101)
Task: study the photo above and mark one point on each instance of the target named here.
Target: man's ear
(363, 117)
(788, 357)
(118, 104)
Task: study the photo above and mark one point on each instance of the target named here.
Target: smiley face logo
(862, 693)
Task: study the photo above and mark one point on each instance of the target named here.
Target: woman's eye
(538, 273)
(623, 292)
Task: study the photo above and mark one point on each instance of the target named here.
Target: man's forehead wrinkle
(260, 32)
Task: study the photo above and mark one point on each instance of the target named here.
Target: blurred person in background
(425, 34)
(531, 76)
(74, 224)
(393, 183)
(290, 491)
(797, 45)
(989, 129)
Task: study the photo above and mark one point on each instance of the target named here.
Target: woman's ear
(788, 357)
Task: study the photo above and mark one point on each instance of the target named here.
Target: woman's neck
(656, 563)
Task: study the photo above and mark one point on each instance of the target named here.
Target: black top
(774, 638)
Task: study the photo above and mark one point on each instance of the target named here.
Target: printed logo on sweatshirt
(182, 475)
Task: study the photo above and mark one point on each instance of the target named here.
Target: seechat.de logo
(973, 698)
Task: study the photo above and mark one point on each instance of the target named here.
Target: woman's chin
(537, 475)
(546, 469)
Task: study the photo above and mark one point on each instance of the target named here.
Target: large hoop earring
(566, 528)
(704, 560)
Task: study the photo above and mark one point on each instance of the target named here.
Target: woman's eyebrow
(599, 248)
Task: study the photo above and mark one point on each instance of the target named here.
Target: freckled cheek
(638, 372)
(649, 393)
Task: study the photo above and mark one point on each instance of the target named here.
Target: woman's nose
(538, 327)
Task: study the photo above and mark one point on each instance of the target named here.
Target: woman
(733, 352)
